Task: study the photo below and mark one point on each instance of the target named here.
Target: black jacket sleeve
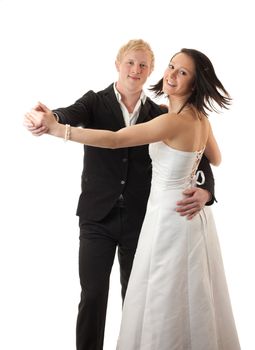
(79, 113)
(209, 179)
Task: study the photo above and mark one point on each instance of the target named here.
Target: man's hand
(195, 199)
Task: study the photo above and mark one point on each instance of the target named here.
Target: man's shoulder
(155, 107)
(106, 91)
(92, 95)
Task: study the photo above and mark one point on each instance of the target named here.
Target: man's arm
(77, 114)
(209, 184)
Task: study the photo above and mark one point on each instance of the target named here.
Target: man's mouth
(134, 78)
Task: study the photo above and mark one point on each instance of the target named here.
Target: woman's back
(189, 131)
(173, 169)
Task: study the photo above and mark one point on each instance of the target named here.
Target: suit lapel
(144, 113)
(113, 104)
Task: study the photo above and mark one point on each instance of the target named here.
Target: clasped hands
(40, 120)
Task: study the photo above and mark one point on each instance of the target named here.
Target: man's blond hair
(134, 45)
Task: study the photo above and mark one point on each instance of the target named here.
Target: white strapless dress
(177, 296)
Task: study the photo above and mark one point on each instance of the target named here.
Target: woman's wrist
(57, 130)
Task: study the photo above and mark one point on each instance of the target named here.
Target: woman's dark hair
(207, 88)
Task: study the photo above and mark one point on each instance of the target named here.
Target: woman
(177, 296)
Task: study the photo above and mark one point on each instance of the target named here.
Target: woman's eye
(170, 66)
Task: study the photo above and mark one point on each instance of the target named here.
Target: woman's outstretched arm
(140, 134)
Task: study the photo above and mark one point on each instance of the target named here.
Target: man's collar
(142, 97)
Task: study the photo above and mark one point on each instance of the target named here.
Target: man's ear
(117, 65)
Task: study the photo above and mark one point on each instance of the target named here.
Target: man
(115, 186)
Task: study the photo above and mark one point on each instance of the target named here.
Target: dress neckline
(181, 151)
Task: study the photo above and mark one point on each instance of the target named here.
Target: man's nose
(137, 69)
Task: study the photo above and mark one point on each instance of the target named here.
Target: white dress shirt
(130, 118)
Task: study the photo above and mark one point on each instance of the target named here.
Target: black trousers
(98, 244)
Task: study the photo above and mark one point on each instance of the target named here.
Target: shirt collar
(142, 97)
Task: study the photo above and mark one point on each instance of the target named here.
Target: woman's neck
(177, 105)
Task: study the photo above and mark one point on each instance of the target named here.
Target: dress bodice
(172, 167)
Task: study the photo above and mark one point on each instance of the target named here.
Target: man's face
(134, 69)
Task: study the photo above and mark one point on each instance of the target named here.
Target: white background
(54, 51)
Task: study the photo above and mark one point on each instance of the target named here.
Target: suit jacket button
(122, 182)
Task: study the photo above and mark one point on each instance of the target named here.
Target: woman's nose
(172, 74)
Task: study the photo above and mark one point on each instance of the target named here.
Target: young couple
(177, 297)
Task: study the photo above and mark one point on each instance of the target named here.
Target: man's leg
(96, 256)
(131, 227)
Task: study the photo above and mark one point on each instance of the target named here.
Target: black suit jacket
(109, 173)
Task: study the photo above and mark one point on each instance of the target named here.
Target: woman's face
(179, 76)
